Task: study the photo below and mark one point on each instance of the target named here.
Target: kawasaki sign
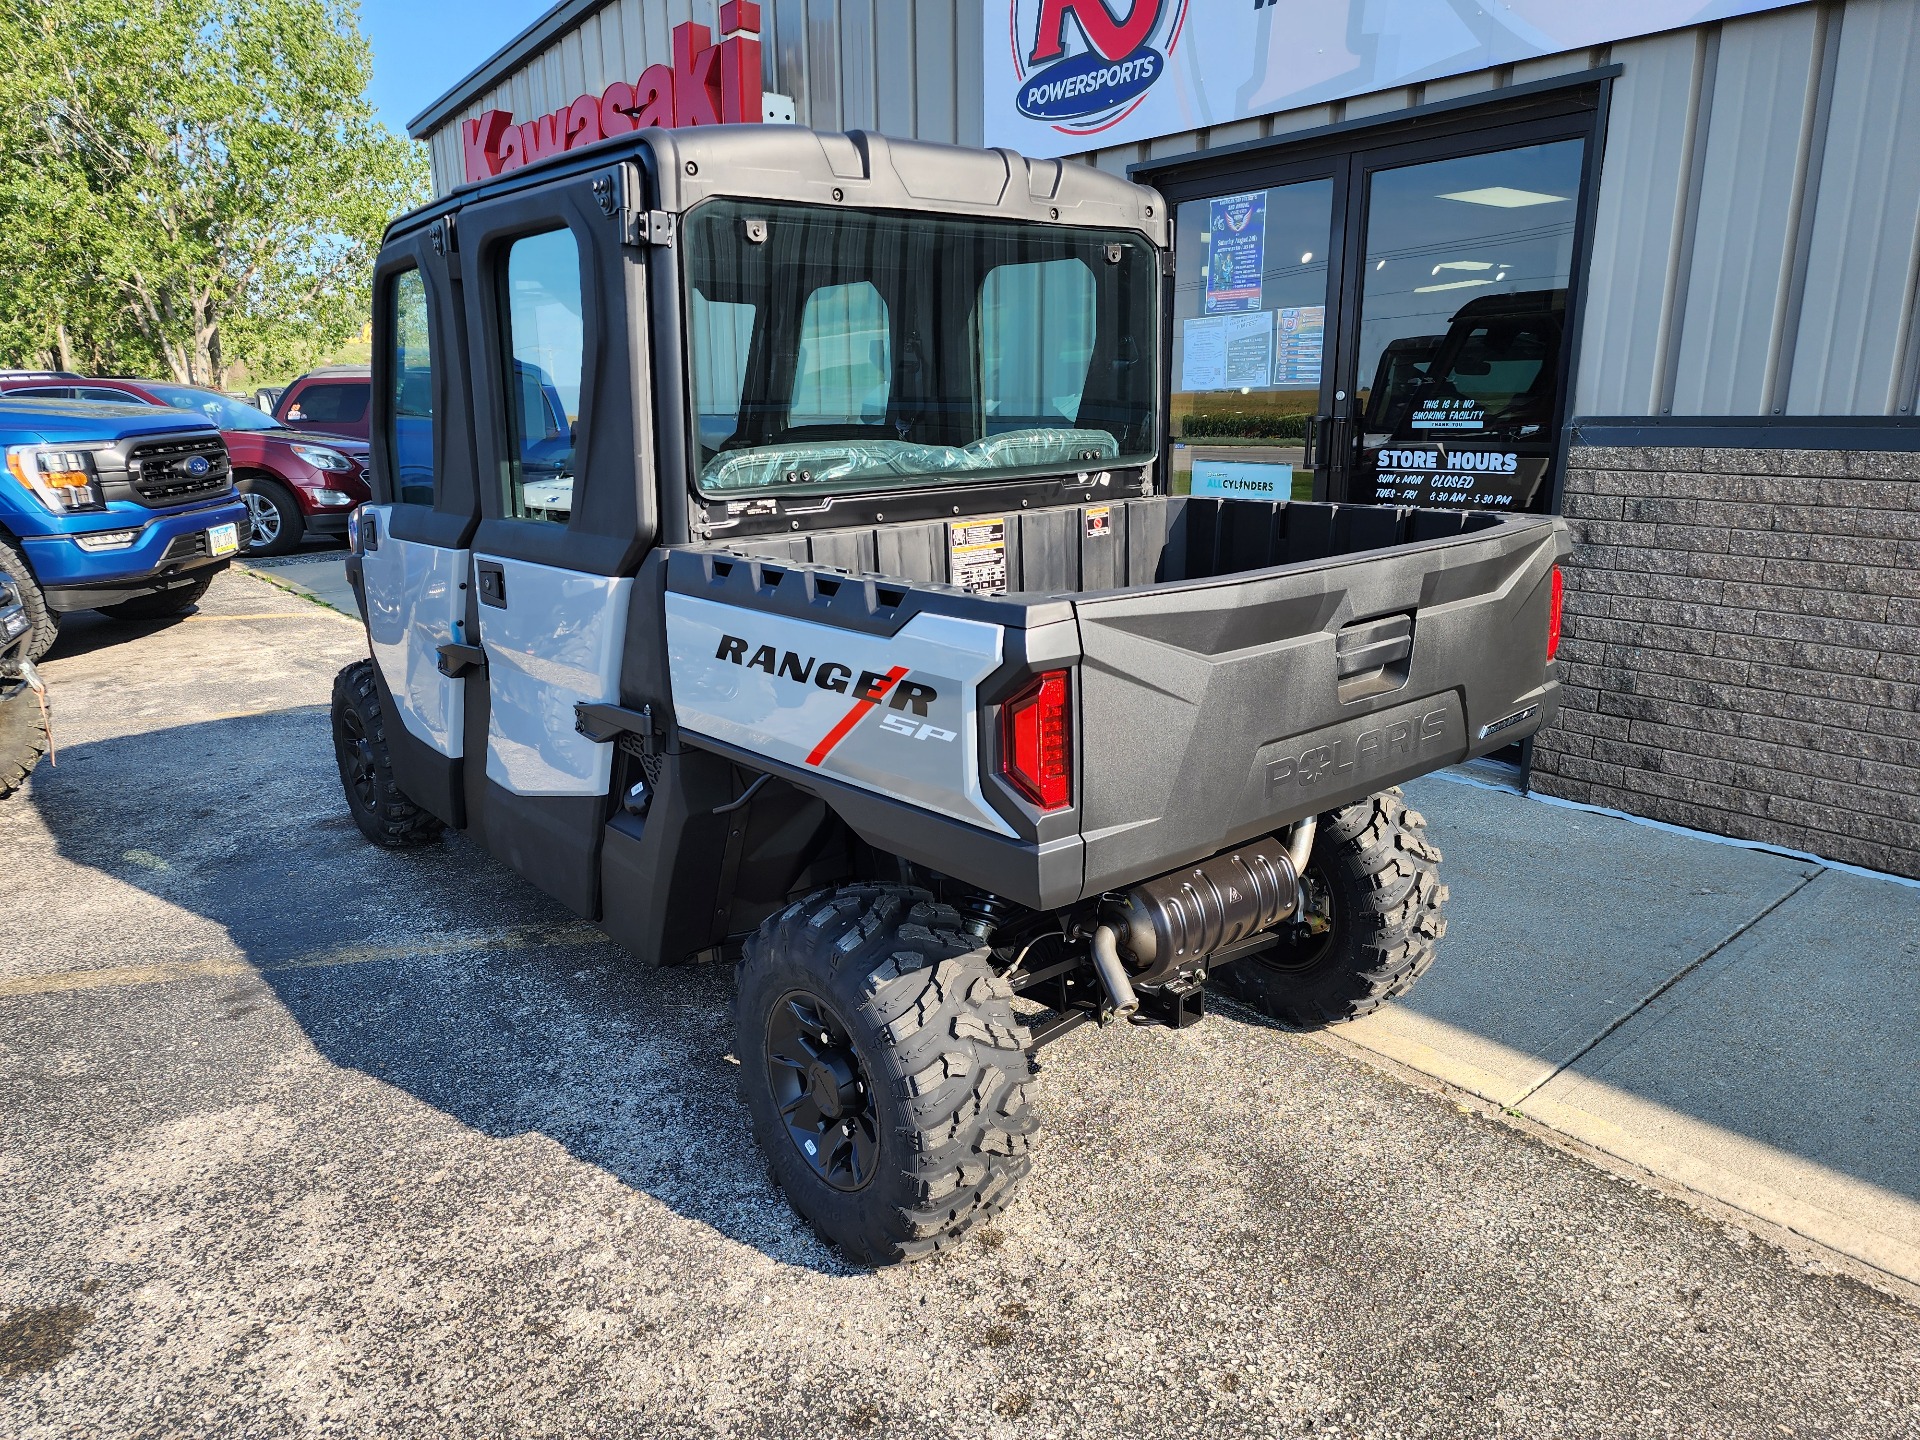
(1064, 76)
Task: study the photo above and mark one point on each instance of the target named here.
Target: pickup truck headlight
(106, 540)
(321, 458)
(61, 480)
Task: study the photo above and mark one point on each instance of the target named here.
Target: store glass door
(1381, 315)
(1460, 328)
(1251, 363)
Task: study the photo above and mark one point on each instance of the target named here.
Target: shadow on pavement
(437, 971)
(441, 972)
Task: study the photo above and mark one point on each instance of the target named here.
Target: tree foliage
(188, 185)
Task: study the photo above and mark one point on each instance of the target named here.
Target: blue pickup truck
(125, 509)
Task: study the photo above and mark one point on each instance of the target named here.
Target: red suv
(294, 484)
(333, 399)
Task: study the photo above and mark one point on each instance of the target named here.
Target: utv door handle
(456, 659)
(493, 583)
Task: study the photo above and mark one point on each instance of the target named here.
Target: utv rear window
(834, 350)
(410, 368)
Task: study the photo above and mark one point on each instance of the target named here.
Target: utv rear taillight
(1553, 617)
(1036, 754)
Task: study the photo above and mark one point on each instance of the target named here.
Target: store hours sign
(1067, 76)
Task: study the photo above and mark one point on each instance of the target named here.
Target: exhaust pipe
(1300, 843)
(1113, 975)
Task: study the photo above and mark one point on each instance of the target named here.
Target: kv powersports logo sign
(1086, 65)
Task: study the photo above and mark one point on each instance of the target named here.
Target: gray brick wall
(1741, 646)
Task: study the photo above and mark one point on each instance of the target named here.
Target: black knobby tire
(1375, 877)
(46, 622)
(162, 604)
(274, 522)
(925, 1030)
(23, 735)
(380, 808)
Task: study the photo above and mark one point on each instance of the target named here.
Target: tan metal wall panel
(894, 58)
(1857, 314)
(1643, 177)
(1746, 213)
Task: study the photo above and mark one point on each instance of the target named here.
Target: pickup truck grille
(186, 547)
(161, 472)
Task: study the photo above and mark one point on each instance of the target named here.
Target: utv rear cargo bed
(1234, 666)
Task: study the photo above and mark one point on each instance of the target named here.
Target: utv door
(554, 318)
(414, 559)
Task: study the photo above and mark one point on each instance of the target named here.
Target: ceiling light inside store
(1463, 265)
(1504, 197)
(1449, 285)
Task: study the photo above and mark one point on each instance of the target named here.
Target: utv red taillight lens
(1553, 617)
(1036, 751)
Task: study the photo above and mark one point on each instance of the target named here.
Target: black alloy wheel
(1306, 941)
(379, 806)
(355, 751)
(822, 1091)
(1371, 916)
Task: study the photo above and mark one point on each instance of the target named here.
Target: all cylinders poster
(1067, 76)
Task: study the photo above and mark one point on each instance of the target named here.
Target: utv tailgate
(1233, 666)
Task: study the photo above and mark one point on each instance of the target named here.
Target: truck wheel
(382, 811)
(884, 1069)
(274, 522)
(1369, 921)
(23, 738)
(161, 605)
(46, 623)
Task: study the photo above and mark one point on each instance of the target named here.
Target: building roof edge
(536, 37)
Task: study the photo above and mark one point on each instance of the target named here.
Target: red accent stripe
(852, 718)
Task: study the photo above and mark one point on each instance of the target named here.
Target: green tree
(189, 185)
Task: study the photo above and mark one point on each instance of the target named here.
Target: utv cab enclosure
(773, 559)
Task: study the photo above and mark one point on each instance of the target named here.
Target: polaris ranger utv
(773, 557)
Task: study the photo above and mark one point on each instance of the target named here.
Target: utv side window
(1036, 342)
(547, 337)
(843, 376)
(411, 441)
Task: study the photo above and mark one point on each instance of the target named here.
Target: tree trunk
(65, 346)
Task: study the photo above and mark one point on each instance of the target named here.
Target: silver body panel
(416, 598)
(555, 644)
(790, 690)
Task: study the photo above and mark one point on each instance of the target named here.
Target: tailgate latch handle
(1374, 656)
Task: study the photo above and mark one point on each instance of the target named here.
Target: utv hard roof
(859, 170)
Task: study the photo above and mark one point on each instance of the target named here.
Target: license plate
(223, 539)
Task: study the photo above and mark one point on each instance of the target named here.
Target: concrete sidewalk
(319, 574)
(1736, 1021)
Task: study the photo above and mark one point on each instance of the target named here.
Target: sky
(422, 47)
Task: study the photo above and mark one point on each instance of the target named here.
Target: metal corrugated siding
(1866, 231)
(1636, 231)
(1746, 213)
(905, 67)
(1757, 237)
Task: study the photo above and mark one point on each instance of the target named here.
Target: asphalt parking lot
(301, 1138)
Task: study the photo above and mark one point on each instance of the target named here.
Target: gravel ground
(299, 1138)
